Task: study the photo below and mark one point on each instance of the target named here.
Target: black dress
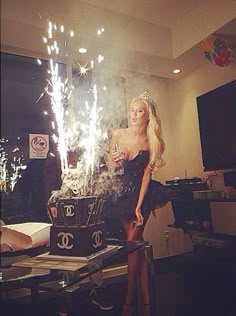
(124, 205)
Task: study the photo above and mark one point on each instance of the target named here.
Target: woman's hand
(139, 217)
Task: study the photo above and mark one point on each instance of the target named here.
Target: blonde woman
(138, 151)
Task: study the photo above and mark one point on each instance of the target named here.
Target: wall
(184, 120)
(201, 21)
(178, 110)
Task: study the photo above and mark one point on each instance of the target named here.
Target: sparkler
(10, 167)
(57, 94)
(67, 132)
(3, 170)
(92, 135)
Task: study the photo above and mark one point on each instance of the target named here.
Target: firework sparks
(3, 169)
(75, 119)
(10, 166)
(92, 136)
(57, 94)
(60, 93)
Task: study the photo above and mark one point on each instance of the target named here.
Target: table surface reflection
(59, 277)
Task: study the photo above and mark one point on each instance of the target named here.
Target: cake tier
(76, 211)
(77, 241)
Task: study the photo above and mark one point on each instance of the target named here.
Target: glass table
(64, 277)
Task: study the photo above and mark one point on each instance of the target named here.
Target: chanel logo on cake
(69, 210)
(97, 238)
(66, 239)
(90, 207)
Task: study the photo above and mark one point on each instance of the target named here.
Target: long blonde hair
(154, 133)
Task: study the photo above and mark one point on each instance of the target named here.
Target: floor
(196, 286)
(200, 284)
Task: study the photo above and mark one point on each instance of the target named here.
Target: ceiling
(159, 12)
(150, 37)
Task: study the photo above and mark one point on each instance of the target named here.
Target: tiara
(146, 96)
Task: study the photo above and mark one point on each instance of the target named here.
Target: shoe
(99, 299)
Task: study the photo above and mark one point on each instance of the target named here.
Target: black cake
(78, 229)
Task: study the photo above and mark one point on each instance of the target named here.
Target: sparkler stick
(100, 210)
(97, 210)
(90, 214)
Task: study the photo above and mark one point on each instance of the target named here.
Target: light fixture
(83, 70)
(83, 50)
(176, 71)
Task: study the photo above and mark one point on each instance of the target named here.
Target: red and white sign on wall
(38, 146)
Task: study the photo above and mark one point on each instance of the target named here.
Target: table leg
(151, 278)
(35, 294)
